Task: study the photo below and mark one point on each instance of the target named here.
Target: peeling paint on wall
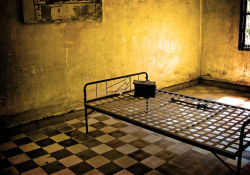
(52, 62)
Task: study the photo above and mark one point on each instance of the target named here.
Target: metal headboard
(124, 84)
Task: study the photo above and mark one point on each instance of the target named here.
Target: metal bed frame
(188, 119)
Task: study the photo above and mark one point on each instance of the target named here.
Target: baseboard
(224, 85)
(181, 85)
(42, 123)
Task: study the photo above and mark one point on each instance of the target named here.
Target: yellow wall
(221, 60)
(45, 66)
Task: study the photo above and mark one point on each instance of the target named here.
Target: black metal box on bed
(216, 127)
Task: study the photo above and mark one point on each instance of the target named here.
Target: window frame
(242, 27)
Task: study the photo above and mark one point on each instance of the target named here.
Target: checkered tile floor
(111, 147)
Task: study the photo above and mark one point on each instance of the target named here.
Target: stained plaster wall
(220, 58)
(45, 66)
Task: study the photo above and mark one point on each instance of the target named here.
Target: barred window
(244, 32)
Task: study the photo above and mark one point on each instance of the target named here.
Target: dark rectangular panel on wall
(49, 11)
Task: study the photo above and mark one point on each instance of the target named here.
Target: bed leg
(86, 120)
(239, 163)
(242, 136)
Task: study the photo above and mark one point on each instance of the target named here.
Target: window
(244, 32)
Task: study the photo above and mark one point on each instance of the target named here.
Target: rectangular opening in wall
(247, 29)
(244, 33)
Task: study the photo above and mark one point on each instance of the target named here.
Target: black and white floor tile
(111, 147)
